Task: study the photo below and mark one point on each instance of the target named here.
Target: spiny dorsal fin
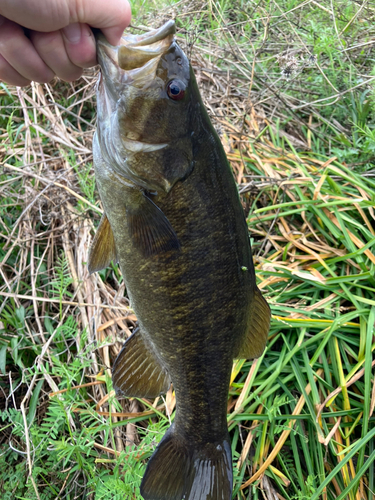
(255, 339)
(137, 372)
(103, 249)
(149, 228)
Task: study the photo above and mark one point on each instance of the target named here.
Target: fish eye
(176, 90)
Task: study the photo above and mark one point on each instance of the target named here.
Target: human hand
(58, 40)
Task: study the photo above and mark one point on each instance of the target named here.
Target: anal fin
(255, 339)
(103, 249)
(137, 372)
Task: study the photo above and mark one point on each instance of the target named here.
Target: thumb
(110, 16)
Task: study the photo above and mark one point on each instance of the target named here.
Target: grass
(289, 86)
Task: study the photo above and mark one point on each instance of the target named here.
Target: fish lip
(136, 57)
(153, 36)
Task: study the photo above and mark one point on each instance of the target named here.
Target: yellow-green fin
(137, 372)
(255, 340)
(103, 249)
(149, 228)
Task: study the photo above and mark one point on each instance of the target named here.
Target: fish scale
(174, 222)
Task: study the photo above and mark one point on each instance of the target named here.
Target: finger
(51, 49)
(46, 15)
(10, 75)
(114, 33)
(19, 52)
(111, 19)
(111, 16)
(80, 45)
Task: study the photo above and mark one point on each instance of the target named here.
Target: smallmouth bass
(174, 222)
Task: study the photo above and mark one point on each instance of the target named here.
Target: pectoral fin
(137, 372)
(103, 249)
(255, 339)
(149, 228)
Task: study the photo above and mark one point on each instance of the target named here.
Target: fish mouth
(135, 60)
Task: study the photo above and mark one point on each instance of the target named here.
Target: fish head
(146, 79)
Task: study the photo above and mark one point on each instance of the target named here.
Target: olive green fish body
(178, 231)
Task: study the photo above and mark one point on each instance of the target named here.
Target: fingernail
(73, 32)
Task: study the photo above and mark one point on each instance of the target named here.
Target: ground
(289, 86)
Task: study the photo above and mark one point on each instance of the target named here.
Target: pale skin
(41, 39)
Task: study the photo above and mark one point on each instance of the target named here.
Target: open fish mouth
(135, 60)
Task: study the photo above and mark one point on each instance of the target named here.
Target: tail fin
(179, 471)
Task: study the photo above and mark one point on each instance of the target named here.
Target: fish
(174, 222)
